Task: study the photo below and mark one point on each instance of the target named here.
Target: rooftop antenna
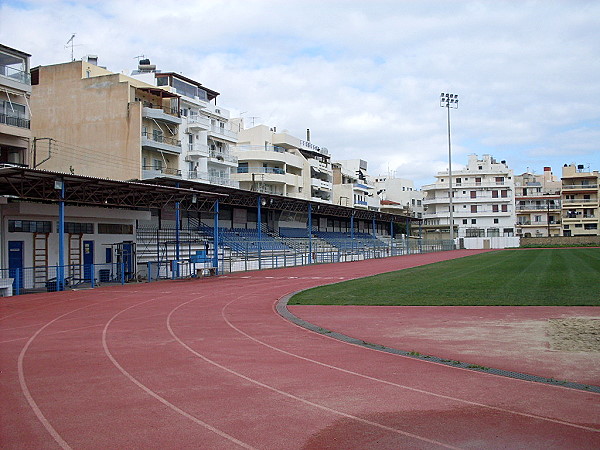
(138, 57)
(253, 118)
(71, 43)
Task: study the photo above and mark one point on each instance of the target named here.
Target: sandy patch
(576, 334)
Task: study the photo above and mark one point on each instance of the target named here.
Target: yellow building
(580, 196)
(90, 121)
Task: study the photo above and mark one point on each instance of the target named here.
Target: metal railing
(165, 109)
(15, 74)
(14, 121)
(238, 256)
(222, 156)
(161, 139)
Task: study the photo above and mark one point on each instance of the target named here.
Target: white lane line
(294, 397)
(21, 372)
(154, 394)
(421, 391)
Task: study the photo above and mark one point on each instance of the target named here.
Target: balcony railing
(259, 148)
(223, 132)
(568, 201)
(15, 74)
(580, 186)
(165, 109)
(161, 139)
(275, 170)
(212, 179)
(222, 156)
(14, 121)
(162, 171)
(556, 206)
(578, 216)
(198, 149)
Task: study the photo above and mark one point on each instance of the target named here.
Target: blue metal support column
(60, 275)
(310, 261)
(407, 235)
(391, 238)
(177, 235)
(374, 227)
(259, 229)
(352, 234)
(216, 238)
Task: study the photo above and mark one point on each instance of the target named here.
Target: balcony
(211, 179)
(15, 78)
(591, 186)
(222, 133)
(554, 207)
(198, 122)
(223, 157)
(198, 150)
(586, 201)
(149, 172)
(159, 142)
(159, 112)
(14, 121)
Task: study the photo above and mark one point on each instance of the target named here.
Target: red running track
(209, 364)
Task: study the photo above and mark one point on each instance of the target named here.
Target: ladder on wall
(40, 259)
(75, 257)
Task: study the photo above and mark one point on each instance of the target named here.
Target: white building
(279, 163)
(206, 133)
(353, 186)
(482, 197)
(400, 193)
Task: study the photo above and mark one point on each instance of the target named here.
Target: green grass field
(549, 277)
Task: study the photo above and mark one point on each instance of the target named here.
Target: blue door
(88, 259)
(15, 261)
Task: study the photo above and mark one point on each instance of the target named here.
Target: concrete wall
(96, 124)
(489, 242)
(561, 240)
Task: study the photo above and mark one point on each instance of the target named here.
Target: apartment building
(538, 204)
(279, 163)
(482, 200)
(399, 194)
(15, 92)
(206, 133)
(580, 201)
(353, 186)
(90, 121)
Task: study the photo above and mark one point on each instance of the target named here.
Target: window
(508, 232)
(473, 194)
(495, 208)
(30, 226)
(499, 180)
(493, 232)
(504, 208)
(537, 218)
(465, 221)
(114, 228)
(503, 193)
(496, 220)
(157, 135)
(157, 164)
(473, 221)
(494, 194)
(590, 226)
(473, 208)
(78, 228)
(477, 180)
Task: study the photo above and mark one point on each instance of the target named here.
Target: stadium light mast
(449, 101)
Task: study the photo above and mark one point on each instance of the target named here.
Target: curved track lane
(208, 363)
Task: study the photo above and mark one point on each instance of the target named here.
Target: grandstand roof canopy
(244, 198)
(39, 185)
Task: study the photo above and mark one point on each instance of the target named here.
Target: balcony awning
(159, 92)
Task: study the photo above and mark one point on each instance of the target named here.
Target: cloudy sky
(364, 76)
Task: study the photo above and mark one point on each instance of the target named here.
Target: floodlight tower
(449, 101)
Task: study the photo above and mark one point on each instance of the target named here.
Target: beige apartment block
(90, 121)
(353, 186)
(279, 163)
(15, 91)
(537, 204)
(580, 197)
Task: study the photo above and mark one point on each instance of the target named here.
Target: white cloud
(363, 76)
